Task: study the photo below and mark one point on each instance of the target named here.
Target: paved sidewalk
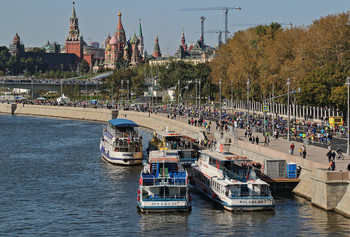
(313, 153)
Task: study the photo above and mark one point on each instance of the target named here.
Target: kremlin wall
(117, 47)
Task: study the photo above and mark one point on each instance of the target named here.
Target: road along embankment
(158, 123)
(91, 114)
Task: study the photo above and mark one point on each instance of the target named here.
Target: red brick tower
(156, 52)
(74, 42)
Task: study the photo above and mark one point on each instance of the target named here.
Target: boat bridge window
(265, 190)
(244, 190)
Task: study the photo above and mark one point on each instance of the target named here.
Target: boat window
(265, 190)
(123, 149)
(256, 189)
(244, 190)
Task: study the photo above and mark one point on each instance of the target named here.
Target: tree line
(316, 58)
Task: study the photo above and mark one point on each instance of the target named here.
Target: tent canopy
(41, 98)
(120, 123)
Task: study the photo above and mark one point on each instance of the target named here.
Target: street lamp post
(127, 82)
(32, 88)
(112, 99)
(86, 91)
(231, 96)
(61, 86)
(196, 92)
(122, 92)
(220, 82)
(347, 119)
(248, 83)
(178, 92)
(288, 112)
(199, 92)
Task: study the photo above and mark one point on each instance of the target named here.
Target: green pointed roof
(134, 39)
(140, 29)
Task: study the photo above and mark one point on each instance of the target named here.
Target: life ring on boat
(140, 181)
(213, 195)
(252, 180)
(138, 197)
(138, 191)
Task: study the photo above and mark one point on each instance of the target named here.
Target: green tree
(84, 66)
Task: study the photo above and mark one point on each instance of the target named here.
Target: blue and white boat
(120, 143)
(163, 184)
(229, 180)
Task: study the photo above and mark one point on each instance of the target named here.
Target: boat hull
(242, 204)
(164, 206)
(122, 158)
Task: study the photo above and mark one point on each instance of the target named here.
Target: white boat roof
(164, 156)
(223, 156)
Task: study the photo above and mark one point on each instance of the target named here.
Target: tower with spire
(118, 47)
(141, 46)
(183, 41)
(74, 42)
(156, 52)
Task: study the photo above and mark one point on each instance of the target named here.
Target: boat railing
(232, 196)
(127, 143)
(176, 179)
(175, 197)
(126, 134)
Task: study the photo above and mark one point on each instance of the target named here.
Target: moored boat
(170, 140)
(120, 143)
(229, 180)
(163, 184)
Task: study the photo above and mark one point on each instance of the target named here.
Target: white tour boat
(120, 143)
(229, 180)
(163, 184)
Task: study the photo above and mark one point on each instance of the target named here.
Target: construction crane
(225, 9)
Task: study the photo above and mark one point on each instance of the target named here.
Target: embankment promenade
(327, 190)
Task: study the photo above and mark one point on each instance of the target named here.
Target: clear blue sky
(39, 21)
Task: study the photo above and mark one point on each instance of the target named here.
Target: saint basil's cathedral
(117, 47)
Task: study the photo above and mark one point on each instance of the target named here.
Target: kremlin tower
(156, 52)
(74, 42)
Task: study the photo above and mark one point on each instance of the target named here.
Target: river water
(53, 183)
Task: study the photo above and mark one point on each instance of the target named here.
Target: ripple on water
(53, 183)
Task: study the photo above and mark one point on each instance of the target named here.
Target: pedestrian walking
(257, 140)
(349, 167)
(300, 151)
(304, 151)
(291, 149)
(331, 166)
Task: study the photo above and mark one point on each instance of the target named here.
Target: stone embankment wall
(158, 123)
(100, 115)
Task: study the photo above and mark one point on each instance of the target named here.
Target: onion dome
(126, 48)
(134, 40)
(108, 38)
(108, 48)
(114, 41)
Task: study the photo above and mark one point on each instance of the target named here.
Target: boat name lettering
(165, 204)
(252, 201)
(205, 166)
(128, 154)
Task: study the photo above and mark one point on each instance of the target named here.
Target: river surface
(54, 183)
